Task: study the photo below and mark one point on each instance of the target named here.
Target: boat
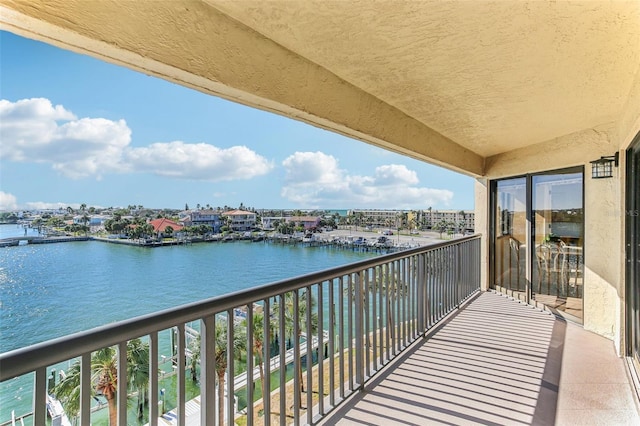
(56, 412)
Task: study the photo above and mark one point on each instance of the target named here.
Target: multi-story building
(460, 219)
(212, 218)
(241, 220)
(376, 217)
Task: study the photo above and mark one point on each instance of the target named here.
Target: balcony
(405, 338)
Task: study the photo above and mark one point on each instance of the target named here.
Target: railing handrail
(24, 360)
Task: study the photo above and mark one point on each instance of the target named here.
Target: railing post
(85, 390)
(230, 366)
(181, 398)
(122, 383)
(40, 397)
(266, 360)
(458, 274)
(359, 344)
(207, 372)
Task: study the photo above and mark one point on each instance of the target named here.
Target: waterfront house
(210, 217)
(241, 220)
(160, 226)
(308, 222)
(537, 101)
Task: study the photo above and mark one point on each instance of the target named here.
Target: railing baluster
(40, 396)
(297, 361)
(122, 383)
(331, 343)
(266, 361)
(350, 330)
(250, 382)
(374, 317)
(207, 371)
(320, 307)
(405, 301)
(367, 317)
(341, 334)
(153, 379)
(230, 365)
(282, 367)
(309, 344)
(387, 303)
(359, 342)
(85, 390)
(420, 294)
(397, 319)
(181, 361)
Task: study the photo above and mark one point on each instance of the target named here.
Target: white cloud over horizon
(8, 201)
(314, 179)
(34, 130)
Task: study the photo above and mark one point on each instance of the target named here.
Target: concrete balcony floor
(499, 362)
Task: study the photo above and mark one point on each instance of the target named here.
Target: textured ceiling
(490, 76)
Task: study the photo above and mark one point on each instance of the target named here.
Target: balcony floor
(499, 362)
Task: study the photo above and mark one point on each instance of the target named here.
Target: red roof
(160, 225)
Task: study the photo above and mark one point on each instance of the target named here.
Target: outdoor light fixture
(603, 167)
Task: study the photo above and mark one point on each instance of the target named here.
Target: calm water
(52, 290)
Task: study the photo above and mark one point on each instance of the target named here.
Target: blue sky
(77, 130)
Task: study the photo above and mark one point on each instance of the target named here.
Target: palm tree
(289, 316)
(220, 354)
(68, 391)
(85, 220)
(104, 378)
(138, 371)
(258, 344)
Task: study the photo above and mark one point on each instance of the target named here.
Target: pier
(15, 241)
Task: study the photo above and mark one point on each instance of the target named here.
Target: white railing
(359, 316)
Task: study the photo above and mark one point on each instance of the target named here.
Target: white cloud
(199, 161)
(314, 179)
(33, 130)
(43, 205)
(8, 201)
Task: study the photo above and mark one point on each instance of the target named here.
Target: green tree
(104, 378)
(290, 315)
(258, 345)
(220, 354)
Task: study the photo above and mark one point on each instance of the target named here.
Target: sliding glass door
(538, 236)
(558, 234)
(510, 239)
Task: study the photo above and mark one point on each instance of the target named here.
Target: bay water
(52, 290)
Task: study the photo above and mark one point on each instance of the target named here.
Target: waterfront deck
(499, 362)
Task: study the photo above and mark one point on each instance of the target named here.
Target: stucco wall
(482, 209)
(603, 251)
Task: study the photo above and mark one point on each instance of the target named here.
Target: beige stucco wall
(603, 252)
(604, 218)
(482, 209)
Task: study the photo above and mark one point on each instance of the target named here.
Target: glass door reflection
(511, 223)
(558, 230)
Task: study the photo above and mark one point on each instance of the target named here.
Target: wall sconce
(603, 167)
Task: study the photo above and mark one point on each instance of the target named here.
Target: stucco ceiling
(490, 76)
(462, 84)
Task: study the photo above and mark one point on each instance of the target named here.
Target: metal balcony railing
(332, 329)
